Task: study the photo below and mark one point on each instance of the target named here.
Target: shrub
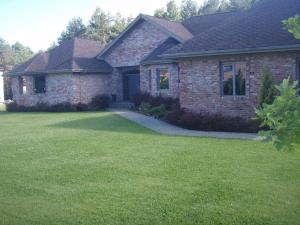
(145, 108)
(283, 117)
(211, 122)
(158, 111)
(140, 98)
(12, 107)
(100, 102)
(267, 91)
(155, 101)
(80, 107)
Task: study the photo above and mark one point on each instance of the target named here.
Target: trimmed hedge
(211, 122)
(99, 102)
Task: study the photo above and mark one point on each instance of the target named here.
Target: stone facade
(149, 83)
(61, 88)
(87, 86)
(200, 82)
(135, 46)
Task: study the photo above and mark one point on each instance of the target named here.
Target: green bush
(267, 91)
(282, 117)
(158, 111)
(145, 108)
(100, 102)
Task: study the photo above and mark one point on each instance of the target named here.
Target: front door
(131, 85)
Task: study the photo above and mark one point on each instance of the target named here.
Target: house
(1, 85)
(212, 63)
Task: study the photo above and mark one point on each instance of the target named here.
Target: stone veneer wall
(150, 85)
(200, 82)
(62, 88)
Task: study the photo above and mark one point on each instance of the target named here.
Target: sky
(38, 23)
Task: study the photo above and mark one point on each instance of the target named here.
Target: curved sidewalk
(168, 129)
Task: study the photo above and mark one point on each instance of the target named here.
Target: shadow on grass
(106, 122)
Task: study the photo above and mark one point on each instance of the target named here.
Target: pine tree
(267, 91)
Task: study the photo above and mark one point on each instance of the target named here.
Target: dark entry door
(131, 82)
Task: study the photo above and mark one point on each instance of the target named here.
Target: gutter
(231, 52)
(54, 72)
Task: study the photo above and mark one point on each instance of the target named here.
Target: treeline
(189, 8)
(11, 55)
(102, 27)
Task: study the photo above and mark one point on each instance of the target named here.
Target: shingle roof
(198, 24)
(154, 55)
(259, 28)
(76, 55)
(176, 28)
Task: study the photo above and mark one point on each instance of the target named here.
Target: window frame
(233, 64)
(34, 83)
(158, 72)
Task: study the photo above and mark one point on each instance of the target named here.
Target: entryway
(131, 85)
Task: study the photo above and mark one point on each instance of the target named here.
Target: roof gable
(172, 29)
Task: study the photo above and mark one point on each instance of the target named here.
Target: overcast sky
(37, 23)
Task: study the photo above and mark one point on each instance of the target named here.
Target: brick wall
(62, 88)
(87, 86)
(137, 44)
(200, 82)
(150, 84)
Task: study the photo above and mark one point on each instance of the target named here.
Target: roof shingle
(257, 28)
(76, 55)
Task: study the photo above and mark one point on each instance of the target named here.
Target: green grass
(97, 168)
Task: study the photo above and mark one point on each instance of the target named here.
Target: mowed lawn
(98, 168)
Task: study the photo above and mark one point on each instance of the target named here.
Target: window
(163, 79)
(150, 80)
(234, 79)
(39, 84)
(22, 85)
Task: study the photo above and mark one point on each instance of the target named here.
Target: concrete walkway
(168, 129)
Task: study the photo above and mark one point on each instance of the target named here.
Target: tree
(172, 13)
(282, 117)
(160, 13)
(242, 4)
(209, 7)
(119, 24)
(99, 28)
(293, 25)
(267, 91)
(188, 9)
(75, 28)
(6, 55)
(21, 53)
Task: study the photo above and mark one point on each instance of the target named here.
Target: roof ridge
(215, 13)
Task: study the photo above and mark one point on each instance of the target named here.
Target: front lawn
(98, 168)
